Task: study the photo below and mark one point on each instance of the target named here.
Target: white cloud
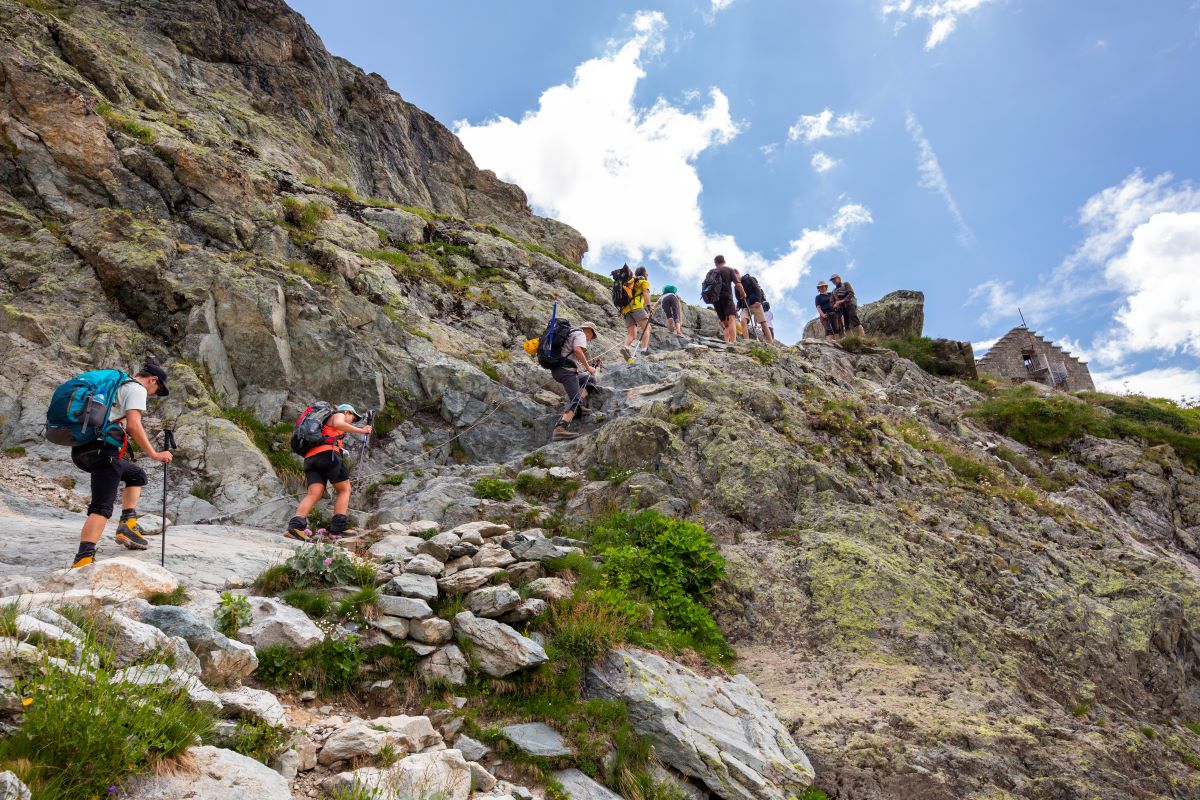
(934, 179)
(942, 15)
(1173, 383)
(822, 162)
(769, 151)
(826, 125)
(980, 348)
(720, 5)
(625, 175)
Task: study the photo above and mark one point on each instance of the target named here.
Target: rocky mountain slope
(936, 610)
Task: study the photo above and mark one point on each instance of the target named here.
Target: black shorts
(832, 323)
(726, 308)
(850, 316)
(325, 467)
(108, 469)
(573, 381)
(670, 307)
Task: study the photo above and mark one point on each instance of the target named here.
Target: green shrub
(273, 579)
(304, 216)
(176, 597)
(321, 565)
(315, 604)
(135, 128)
(858, 344)
(535, 459)
(587, 627)
(260, 741)
(360, 605)
(917, 349)
(969, 469)
(82, 733)
(309, 272)
(762, 354)
(1047, 422)
(334, 665)
(546, 488)
(494, 489)
(232, 614)
(14, 452)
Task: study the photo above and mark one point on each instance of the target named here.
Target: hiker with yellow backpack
(631, 293)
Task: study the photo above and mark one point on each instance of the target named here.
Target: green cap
(669, 289)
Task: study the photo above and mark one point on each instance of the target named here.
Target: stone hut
(1021, 355)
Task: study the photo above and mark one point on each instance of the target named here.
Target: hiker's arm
(338, 423)
(133, 426)
(581, 357)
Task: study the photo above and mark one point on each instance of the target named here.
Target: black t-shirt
(825, 302)
(728, 277)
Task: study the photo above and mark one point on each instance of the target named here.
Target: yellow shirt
(640, 287)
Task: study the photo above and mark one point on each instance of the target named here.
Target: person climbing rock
(637, 314)
(577, 386)
(673, 310)
(751, 305)
(846, 304)
(830, 319)
(325, 464)
(725, 305)
(770, 317)
(105, 460)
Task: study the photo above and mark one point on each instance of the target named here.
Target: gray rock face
(11, 787)
(493, 601)
(954, 359)
(472, 749)
(406, 607)
(368, 737)
(492, 556)
(550, 589)
(396, 627)
(580, 787)
(443, 774)
(445, 665)
(219, 775)
(527, 610)
(254, 704)
(410, 584)
(540, 550)
(718, 730)
(401, 226)
(424, 564)
(222, 660)
(131, 641)
(278, 623)
(439, 546)
(497, 648)
(395, 546)
(523, 572)
(467, 580)
(537, 739)
(433, 630)
(893, 316)
(157, 674)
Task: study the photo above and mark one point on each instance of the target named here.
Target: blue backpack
(79, 409)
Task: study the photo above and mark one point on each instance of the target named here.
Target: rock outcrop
(896, 315)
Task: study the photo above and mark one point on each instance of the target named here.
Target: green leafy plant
(535, 459)
(360, 605)
(303, 215)
(333, 665)
(314, 604)
(274, 579)
(762, 354)
(321, 565)
(260, 741)
(232, 614)
(494, 489)
(545, 488)
(14, 452)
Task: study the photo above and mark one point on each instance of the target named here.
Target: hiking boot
(298, 533)
(337, 536)
(626, 354)
(129, 535)
(561, 434)
(83, 561)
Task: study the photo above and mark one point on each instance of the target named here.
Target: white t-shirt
(130, 397)
(770, 316)
(576, 339)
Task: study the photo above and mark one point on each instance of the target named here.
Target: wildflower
(28, 701)
(112, 790)
(329, 561)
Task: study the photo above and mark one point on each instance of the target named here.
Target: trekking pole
(168, 445)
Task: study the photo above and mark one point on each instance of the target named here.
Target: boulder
(402, 227)
(719, 730)
(543, 550)
(11, 787)
(578, 786)
(527, 610)
(495, 647)
(368, 737)
(472, 749)
(122, 576)
(222, 660)
(424, 564)
(954, 359)
(481, 779)
(523, 572)
(537, 739)
(444, 774)
(492, 556)
(218, 775)
(445, 665)
(396, 627)
(550, 589)
(157, 674)
(396, 546)
(35, 631)
(411, 584)
(457, 565)
(278, 623)
(432, 630)
(17, 584)
(130, 640)
(893, 316)
(254, 704)
(439, 546)
(406, 607)
(467, 580)
(483, 528)
(493, 601)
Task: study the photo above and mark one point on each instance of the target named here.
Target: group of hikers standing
(838, 309)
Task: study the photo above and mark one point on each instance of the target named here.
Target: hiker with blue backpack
(319, 436)
(562, 349)
(96, 414)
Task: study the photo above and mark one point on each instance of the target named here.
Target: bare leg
(93, 526)
(315, 492)
(646, 335)
(341, 500)
(130, 497)
(630, 333)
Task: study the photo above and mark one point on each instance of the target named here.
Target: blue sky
(992, 153)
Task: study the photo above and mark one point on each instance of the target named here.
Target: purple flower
(112, 790)
(328, 561)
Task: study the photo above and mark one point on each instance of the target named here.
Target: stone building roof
(1022, 355)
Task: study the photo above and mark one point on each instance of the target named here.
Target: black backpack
(308, 431)
(710, 290)
(754, 293)
(551, 345)
(621, 296)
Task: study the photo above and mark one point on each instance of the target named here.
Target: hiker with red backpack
(96, 414)
(319, 436)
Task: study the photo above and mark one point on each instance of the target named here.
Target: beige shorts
(756, 309)
(634, 316)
